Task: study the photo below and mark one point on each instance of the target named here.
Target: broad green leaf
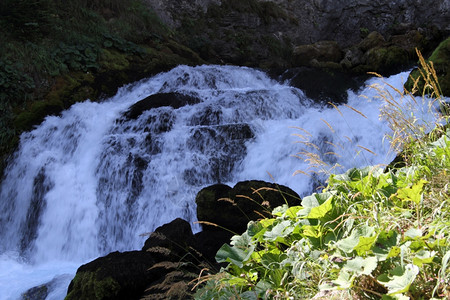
(423, 257)
(267, 222)
(272, 259)
(417, 245)
(365, 244)
(275, 276)
(291, 212)
(280, 230)
(243, 241)
(237, 281)
(350, 243)
(312, 231)
(321, 210)
(315, 199)
(413, 193)
(353, 174)
(386, 245)
(400, 280)
(262, 287)
(361, 266)
(233, 255)
(344, 280)
(248, 295)
(254, 228)
(394, 252)
(280, 210)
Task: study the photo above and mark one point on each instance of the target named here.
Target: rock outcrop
(282, 33)
(172, 257)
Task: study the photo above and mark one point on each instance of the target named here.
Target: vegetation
(371, 233)
(55, 53)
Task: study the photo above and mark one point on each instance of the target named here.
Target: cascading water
(94, 179)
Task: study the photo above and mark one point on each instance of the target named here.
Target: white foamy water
(93, 180)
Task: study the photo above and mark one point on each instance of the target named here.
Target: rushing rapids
(96, 178)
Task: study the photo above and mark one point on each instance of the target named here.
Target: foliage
(378, 234)
(371, 233)
(43, 41)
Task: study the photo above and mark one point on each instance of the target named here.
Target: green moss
(36, 114)
(87, 286)
(441, 61)
(387, 59)
(113, 60)
(72, 88)
(441, 55)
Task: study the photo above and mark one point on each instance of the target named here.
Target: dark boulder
(213, 206)
(177, 261)
(170, 241)
(233, 208)
(173, 99)
(115, 276)
(162, 270)
(323, 85)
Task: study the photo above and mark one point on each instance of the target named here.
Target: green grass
(371, 233)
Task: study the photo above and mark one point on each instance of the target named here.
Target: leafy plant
(371, 233)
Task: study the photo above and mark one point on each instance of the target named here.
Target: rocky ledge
(172, 258)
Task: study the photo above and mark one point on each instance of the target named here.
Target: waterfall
(101, 175)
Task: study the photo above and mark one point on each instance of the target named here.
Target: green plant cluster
(371, 233)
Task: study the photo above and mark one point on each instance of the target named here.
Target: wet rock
(174, 100)
(263, 33)
(409, 41)
(352, 58)
(36, 293)
(172, 256)
(323, 85)
(223, 144)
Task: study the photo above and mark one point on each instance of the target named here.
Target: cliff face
(249, 31)
(309, 21)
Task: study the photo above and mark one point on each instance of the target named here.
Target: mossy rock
(373, 40)
(86, 286)
(441, 62)
(386, 60)
(36, 114)
(113, 277)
